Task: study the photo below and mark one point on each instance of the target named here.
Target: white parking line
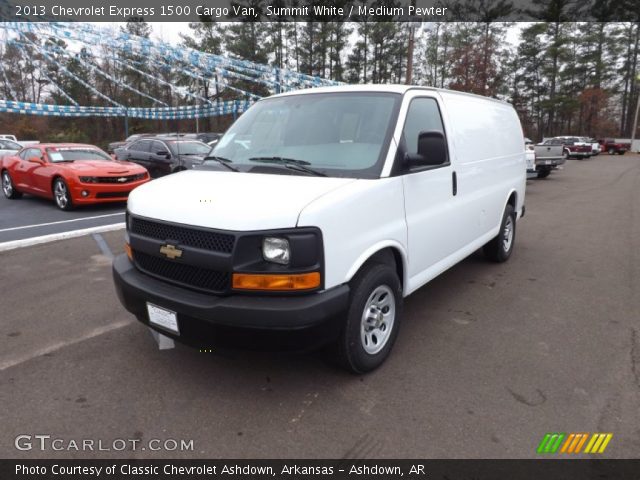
(58, 345)
(27, 242)
(59, 222)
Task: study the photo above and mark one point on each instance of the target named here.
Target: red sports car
(71, 174)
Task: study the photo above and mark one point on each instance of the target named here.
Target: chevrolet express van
(318, 212)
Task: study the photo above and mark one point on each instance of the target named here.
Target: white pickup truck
(24, 143)
(549, 155)
(318, 212)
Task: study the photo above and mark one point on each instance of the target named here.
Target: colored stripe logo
(573, 443)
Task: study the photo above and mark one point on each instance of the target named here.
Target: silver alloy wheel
(7, 187)
(377, 319)
(61, 194)
(507, 234)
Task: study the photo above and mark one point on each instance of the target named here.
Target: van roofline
(387, 88)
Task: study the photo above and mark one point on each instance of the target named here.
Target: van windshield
(328, 134)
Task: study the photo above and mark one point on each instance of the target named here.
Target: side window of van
(423, 115)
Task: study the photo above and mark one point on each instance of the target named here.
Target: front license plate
(163, 318)
(548, 162)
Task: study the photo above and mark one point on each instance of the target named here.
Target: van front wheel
(373, 319)
(499, 249)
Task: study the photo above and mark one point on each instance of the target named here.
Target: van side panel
(490, 158)
(357, 219)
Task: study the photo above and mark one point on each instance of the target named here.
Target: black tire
(62, 195)
(565, 154)
(8, 188)
(544, 173)
(611, 151)
(621, 153)
(369, 288)
(499, 249)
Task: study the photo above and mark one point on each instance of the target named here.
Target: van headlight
(276, 250)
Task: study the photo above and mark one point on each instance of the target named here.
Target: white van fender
(371, 251)
(517, 207)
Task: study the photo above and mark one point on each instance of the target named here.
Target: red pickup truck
(612, 147)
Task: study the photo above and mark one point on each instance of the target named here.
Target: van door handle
(454, 180)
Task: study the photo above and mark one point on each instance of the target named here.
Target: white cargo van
(317, 212)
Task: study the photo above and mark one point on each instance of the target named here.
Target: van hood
(230, 200)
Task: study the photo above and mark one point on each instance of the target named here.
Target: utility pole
(412, 35)
(197, 110)
(635, 118)
(126, 122)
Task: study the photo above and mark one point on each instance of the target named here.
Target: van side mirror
(163, 153)
(432, 149)
(37, 160)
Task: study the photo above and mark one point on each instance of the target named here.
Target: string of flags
(217, 70)
(161, 113)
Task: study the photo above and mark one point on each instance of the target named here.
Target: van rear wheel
(499, 249)
(373, 319)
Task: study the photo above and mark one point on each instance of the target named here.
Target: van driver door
(434, 233)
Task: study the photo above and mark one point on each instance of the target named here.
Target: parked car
(572, 146)
(343, 201)
(8, 147)
(164, 155)
(70, 174)
(612, 147)
(549, 155)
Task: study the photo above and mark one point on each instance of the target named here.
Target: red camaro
(71, 174)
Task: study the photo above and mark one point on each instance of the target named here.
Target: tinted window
(30, 153)
(141, 146)
(423, 115)
(158, 147)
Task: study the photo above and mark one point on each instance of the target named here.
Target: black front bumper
(205, 320)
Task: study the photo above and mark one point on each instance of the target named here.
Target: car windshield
(332, 134)
(76, 154)
(9, 145)
(189, 148)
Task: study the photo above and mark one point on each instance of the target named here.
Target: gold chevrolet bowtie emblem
(171, 251)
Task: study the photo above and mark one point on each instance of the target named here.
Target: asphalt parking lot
(32, 217)
(489, 358)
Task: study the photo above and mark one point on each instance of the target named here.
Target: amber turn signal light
(297, 281)
(127, 248)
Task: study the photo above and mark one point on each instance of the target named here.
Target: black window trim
(397, 169)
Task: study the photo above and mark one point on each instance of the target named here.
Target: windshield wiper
(291, 164)
(222, 161)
